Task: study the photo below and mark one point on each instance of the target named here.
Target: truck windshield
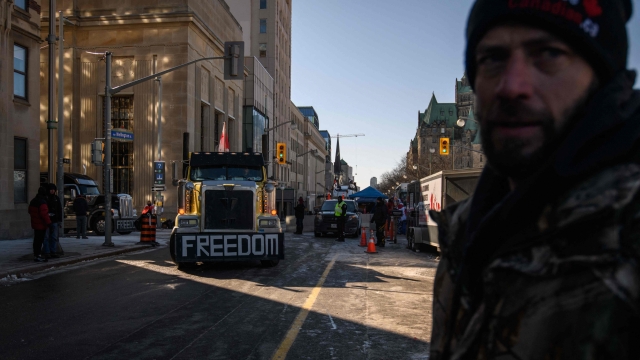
(226, 173)
(330, 205)
(89, 190)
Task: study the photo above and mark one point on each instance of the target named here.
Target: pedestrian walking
(40, 221)
(341, 215)
(80, 208)
(299, 209)
(51, 237)
(379, 218)
(543, 261)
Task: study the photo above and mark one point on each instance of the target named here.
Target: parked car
(325, 221)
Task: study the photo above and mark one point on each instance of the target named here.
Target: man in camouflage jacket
(543, 261)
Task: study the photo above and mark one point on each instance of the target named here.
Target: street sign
(158, 188)
(159, 172)
(121, 134)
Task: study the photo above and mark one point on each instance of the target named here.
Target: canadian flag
(224, 139)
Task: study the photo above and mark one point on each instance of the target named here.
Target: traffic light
(444, 146)
(282, 153)
(234, 60)
(97, 152)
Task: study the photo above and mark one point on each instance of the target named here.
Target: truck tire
(269, 263)
(317, 234)
(97, 225)
(124, 232)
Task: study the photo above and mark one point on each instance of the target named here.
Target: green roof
(439, 112)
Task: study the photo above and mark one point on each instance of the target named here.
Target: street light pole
(51, 125)
(107, 155)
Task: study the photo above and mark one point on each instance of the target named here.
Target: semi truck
(436, 192)
(124, 215)
(226, 211)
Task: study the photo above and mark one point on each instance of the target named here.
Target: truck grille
(229, 209)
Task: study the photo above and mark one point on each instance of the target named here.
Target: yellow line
(286, 344)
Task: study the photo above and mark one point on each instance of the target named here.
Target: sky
(369, 66)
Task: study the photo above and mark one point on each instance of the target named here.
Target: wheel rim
(100, 225)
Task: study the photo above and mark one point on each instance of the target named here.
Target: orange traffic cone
(371, 248)
(363, 238)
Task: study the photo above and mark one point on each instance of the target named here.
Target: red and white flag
(224, 139)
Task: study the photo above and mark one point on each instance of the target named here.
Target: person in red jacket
(40, 221)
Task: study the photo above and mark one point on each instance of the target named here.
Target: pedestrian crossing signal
(97, 152)
(444, 146)
(282, 153)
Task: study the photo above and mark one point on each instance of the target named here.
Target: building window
(263, 49)
(122, 151)
(19, 71)
(22, 4)
(19, 170)
(450, 112)
(263, 4)
(263, 26)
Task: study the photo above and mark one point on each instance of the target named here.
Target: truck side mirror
(73, 194)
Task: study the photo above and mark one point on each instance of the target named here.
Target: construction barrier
(148, 229)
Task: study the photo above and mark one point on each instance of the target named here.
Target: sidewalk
(16, 256)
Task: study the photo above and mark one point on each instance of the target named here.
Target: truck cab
(124, 214)
(226, 211)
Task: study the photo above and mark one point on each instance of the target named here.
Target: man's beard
(510, 160)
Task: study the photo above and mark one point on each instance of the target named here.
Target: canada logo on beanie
(592, 8)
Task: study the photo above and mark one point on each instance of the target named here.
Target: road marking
(287, 342)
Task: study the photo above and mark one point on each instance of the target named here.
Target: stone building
(266, 26)
(19, 114)
(455, 121)
(146, 37)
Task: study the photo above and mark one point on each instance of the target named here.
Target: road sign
(158, 188)
(159, 172)
(121, 134)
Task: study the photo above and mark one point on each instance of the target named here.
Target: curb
(71, 261)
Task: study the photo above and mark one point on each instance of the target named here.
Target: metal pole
(453, 156)
(50, 123)
(60, 172)
(107, 155)
(159, 80)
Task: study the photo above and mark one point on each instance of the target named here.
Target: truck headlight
(353, 217)
(319, 217)
(188, 222)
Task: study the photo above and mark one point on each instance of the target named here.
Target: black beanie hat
(596, 29)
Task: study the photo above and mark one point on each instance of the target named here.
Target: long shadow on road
(142, 307)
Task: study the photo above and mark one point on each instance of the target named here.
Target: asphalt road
(327, 300)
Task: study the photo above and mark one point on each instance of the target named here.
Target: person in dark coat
(379, 218)
(49, 247)
(40, 221)
(80, 208)
(299, 216)
(543, 260)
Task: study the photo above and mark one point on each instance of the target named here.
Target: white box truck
(437, 191)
